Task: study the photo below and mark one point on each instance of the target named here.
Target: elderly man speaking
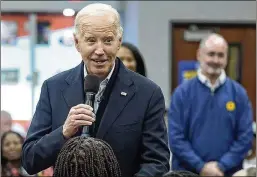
(129, 117)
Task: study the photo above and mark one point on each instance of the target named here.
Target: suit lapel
(122, 93)
(74, 93)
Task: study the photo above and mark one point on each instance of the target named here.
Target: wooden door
(242, 43)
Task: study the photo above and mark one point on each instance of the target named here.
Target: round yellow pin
(230, 106)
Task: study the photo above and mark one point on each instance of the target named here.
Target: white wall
(16, 99)
(153, 29)
(131, 22)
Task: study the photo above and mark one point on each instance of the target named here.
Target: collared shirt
(221, 80)
(103, 84)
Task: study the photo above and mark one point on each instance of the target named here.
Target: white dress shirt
(103, 84)
(221, 80)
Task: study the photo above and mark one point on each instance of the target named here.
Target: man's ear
(76, 42)
(120, 42)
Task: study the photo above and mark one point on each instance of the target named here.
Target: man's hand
(80, 115)
(211, 169)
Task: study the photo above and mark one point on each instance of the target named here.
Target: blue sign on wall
(9, 76)
(187, 69)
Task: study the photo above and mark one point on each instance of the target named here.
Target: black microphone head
(91, 83)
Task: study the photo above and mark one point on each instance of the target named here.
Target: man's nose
(99, 50)
(216, 59)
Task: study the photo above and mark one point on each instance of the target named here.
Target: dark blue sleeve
(155, 155)
(42, 145)
(243, 135)
(179, 144)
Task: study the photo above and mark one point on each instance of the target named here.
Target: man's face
(213, 57)
(98, 43)
(6, 124)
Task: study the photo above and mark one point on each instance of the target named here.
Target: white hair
(203, 41)
(98, 9)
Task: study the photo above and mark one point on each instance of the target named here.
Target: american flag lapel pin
(123, 93)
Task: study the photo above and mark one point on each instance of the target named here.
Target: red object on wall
(57, 21)
(24, 123)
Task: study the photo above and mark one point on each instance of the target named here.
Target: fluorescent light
(68, 12)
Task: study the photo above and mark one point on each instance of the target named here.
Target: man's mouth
(100, 62)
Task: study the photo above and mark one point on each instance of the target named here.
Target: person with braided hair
(86, 157)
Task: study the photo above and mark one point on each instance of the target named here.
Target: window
(233, 69)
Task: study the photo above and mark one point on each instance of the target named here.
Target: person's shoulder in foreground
(60, 77)
(142, 81)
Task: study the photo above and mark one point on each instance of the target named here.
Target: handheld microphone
(91, 87)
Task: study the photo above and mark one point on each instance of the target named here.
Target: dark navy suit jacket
(133, 124)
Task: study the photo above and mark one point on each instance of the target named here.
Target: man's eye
(90, 40)
(211, 54)
(108, 40)
(220, 55)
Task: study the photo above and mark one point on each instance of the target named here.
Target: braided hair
(86, 157)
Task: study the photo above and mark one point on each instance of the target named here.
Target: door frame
(240, 62)
(174, 22)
